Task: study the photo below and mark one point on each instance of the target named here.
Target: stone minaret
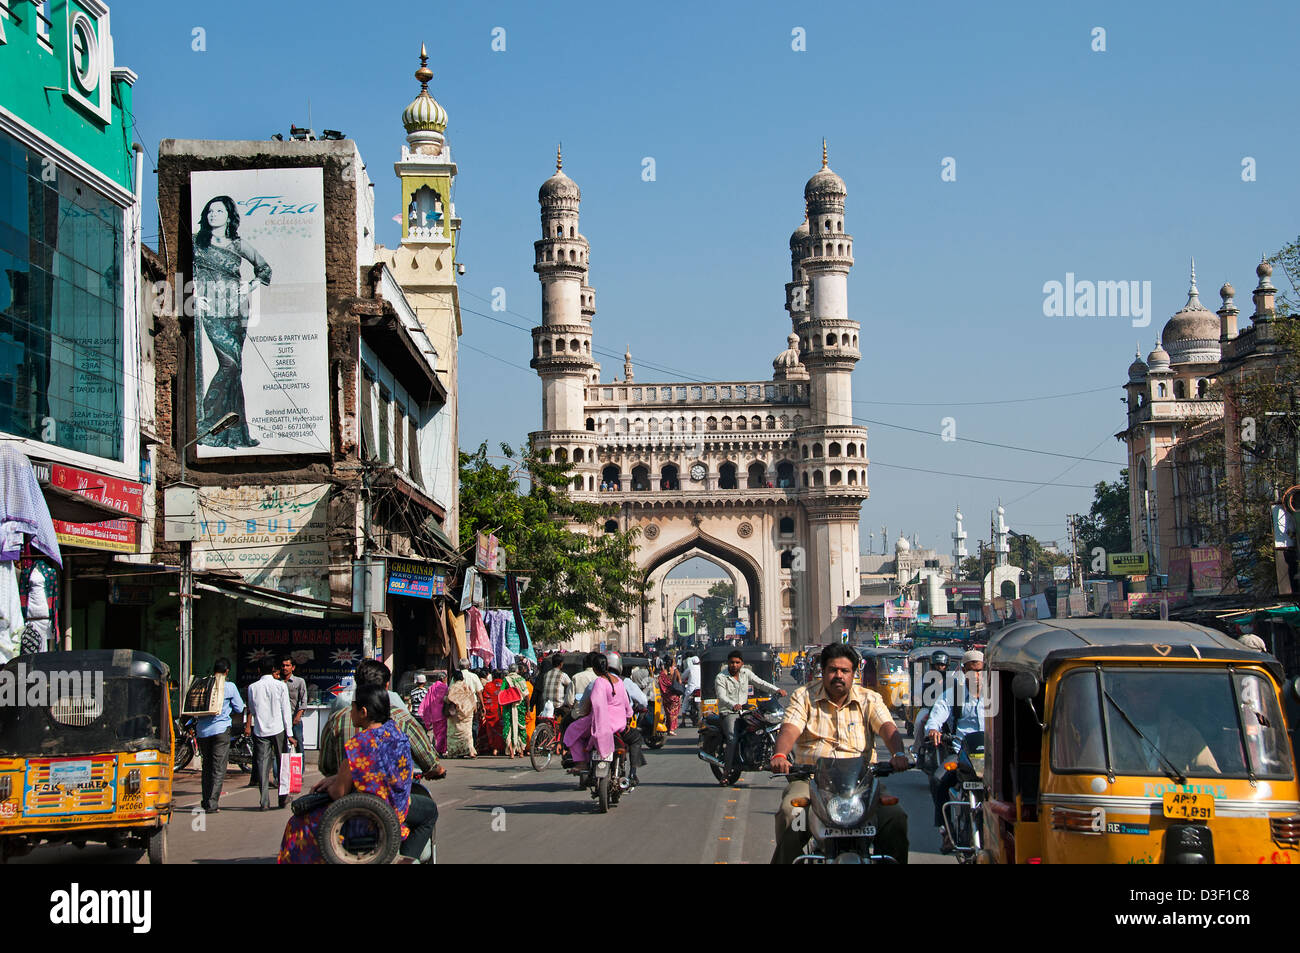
(832, 448)
(958, 544)
(562, 344)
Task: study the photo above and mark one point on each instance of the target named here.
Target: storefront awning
(72, 507)
(270, 598)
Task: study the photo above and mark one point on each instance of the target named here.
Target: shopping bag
(291, 773)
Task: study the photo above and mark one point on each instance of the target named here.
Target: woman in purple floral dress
(379, 763)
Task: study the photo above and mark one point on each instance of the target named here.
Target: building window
(787, 526)
(399, 437)
(385, 424)
(413, 450)
(681, 393)
(366, 412)
(710, 393)
(61, 309)
(607, 393)
(697, 393)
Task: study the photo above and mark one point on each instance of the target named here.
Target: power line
(972, 476)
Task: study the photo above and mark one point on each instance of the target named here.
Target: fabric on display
(23, 511)
(496, 625)
(11, 612)
(456, 631)
(480, 644)
(439, 645)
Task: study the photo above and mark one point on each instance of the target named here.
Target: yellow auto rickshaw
(653, 723)
(85, 751)
(885, 671)
(1117, 741)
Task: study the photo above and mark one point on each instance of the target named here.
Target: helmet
(939, 658)
(615, 662)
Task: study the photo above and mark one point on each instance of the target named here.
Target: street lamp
(187, 572)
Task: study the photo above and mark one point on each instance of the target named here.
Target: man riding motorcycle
(732, 688)
(939, 665)
(960, 710)
(836, 718)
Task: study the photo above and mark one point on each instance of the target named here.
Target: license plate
(972, 785)
(1189, 807)
(851, 832)
(69, 774)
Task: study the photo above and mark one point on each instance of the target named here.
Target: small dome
(1137, 371)
(558, 186)
(424, 114)
(824, 185)
(1158, 359)
(1264, 269)
(790, 356)
(902, 545)
(1227, 291)
(1192, 335)
(799, 235)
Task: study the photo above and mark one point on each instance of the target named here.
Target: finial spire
(559, 156)
(424, 74)
(824, 156)
(1193, 290)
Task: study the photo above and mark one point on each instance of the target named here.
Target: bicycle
(545, 744)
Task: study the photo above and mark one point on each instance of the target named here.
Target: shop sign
(485, 553)
(324, 651)
(126, 496)
(406, 578)
(944, 621)
(1127, 564)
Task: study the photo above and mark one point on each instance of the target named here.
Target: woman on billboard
(222, 297)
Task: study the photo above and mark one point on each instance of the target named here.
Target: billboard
(260, 333)
(273, 536)
(1127, 564)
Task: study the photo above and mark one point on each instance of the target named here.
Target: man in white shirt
(270, 722)
(732, 687)
(582, 681)
(692, 683)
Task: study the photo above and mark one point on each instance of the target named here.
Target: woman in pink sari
(433, 712)
(610, 712)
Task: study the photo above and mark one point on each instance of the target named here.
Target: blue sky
(1114, 165)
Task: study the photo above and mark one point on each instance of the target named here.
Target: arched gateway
(765, 477)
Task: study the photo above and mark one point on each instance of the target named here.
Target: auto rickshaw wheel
(657, 740)
(158, 846)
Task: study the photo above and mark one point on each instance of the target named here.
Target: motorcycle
(798, 671)
(843, 795)
(963, 778)
(691, 713)
(241, 752)
(607, 777)
(756, 731)
(187, 742)
(361, 828)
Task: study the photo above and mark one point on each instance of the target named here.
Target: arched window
(855, 340)
(741, 423)
(786, 526)
(787, 559)
(573, 255)
(640, 477)
(612, 477)
(545, 455)
(559, 344)
(757, 475)
(787, 595)
(805, 451)
(756, 423)
(785, 475)
(1180, 390)
(577, 483)
(591, 483)
(1202, 387)
(834, 450)
(639, 425)
(836, 477)
(559, 231)
(770, 422)
(818, 478)
(591, 423)
(1008, 589)
(853, 477)
(574, 346)
(711, 424)
(817, 450)
(561, 455)
(1160, 390)
(611, 526)
(844, 340)
(726, 423)
(830, 340)
(853, 449)
(546, 347)
(798, 421)
(570, 231)
(653, 425)
(727, 476)
(668, 479)
(784, 422)
(577, 455)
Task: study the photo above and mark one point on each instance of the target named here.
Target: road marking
(728, 817)
(724, 838)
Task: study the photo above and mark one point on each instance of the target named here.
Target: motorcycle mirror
(1025, 685)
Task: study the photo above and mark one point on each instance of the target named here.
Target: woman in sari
(462, 703)
(513, 714)
(221, 309)
(490, 736)
(433, 713)
(378, 762)
(610, 712)
(672, 702)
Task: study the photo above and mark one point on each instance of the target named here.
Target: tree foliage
(1107, 522)
(580, 573)
(715, 607)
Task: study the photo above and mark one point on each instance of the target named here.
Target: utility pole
(367, 632)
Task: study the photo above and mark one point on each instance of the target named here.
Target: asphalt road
(494, 810)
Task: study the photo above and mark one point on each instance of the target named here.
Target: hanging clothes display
(38, 583)
(456, 631)
(496, 625)
(525, 640)
(480, 645)
(11, 612)
(439, 646)
(23, 511)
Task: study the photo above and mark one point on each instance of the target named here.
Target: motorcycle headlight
(845, 811)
